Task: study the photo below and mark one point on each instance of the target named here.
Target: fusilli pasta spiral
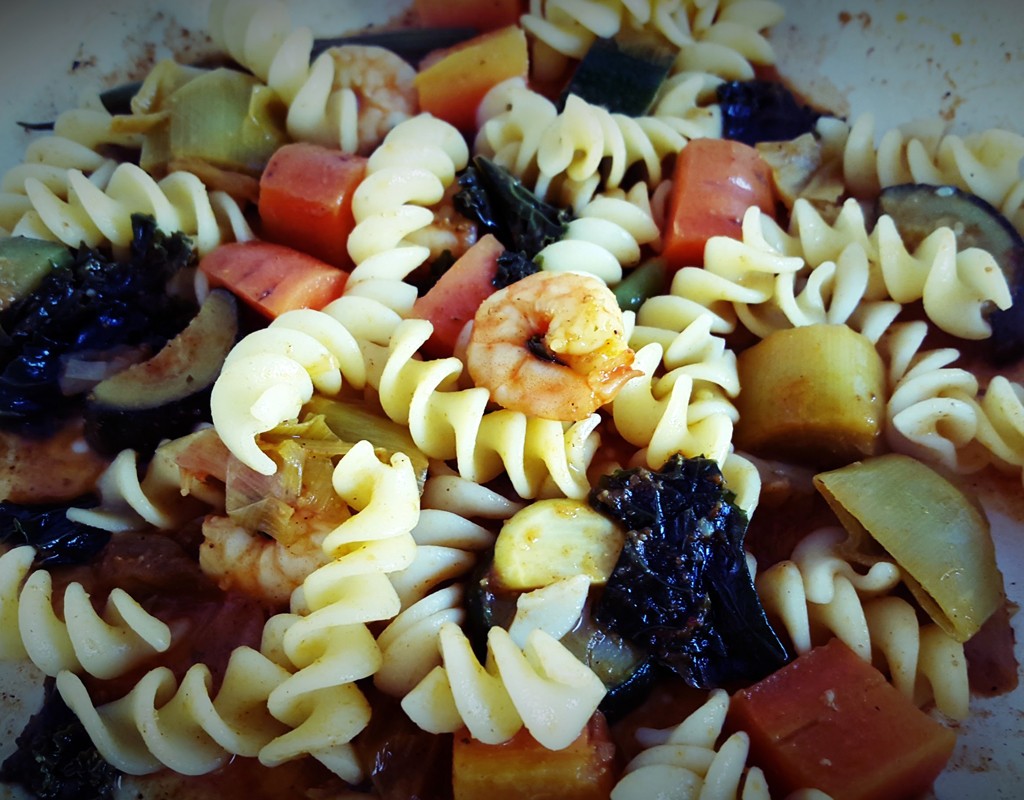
(817, 594)
(105, 644)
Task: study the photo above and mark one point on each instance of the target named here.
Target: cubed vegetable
(814, 394)
(272, 278)
(523, 769)
(453, 300)
(24, 262)
(484, 15)
(831, 721)
(306, 199)
(457, 79)
(714, 182)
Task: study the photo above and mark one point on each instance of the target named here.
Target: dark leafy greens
(681, 588)
(503, 206)
(91, 307)
(56, 760)
(57, 540)
(762, 111)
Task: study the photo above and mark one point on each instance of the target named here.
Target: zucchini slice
(24, 262)
(622, 74)
(168, 395)
(917, 209)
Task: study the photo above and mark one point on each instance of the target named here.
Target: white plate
(898, 59)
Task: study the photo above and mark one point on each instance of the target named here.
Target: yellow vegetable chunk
(814, 395)
(939, 537)
(554, 539)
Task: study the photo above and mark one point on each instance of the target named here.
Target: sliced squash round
(169, 394)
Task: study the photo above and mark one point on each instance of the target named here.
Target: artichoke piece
(938, 536)
(814, 395)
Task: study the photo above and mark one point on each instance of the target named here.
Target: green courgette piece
(169, 394)
(24, 262)
(647, 280)
(918, 209)
(622, 74)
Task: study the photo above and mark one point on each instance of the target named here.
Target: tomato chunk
(305, 199)
(522, 769)
(714, 182)
(272, 278)
(453, 300)
(831, 721)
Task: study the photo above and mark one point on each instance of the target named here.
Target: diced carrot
(484, 15)
(831, 721)
(453, 300)
(522, 769)
(713, 184)
(457, 78)
(305, 199)
(273, 278)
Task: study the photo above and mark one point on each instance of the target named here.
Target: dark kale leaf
(762, 111)
(56, 539)
(95, 305)
(495, 199)
(55, 759)
(513, 266)
(681, 587)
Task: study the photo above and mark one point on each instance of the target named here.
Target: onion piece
(938, 536)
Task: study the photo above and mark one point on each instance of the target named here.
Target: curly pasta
(105, 644)
(407, 173)
(541, 686)
(93, 215)
(338, 99)
(817, 594)
(569, 157)
(986, 164)
(297, 695)
(686, 761)
(838, 272)
(606, 235)
(159, 500)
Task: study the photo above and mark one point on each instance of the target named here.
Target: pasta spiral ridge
(297, 694)
(606, 236)
(331, 99)
(817, 594)
(986, 163)
(686, 761)
(76, 143)
(93, 216)
(405, 175)
(447, 542)
(541, 686)
(103, 644)
(822, 272)
(568, 157)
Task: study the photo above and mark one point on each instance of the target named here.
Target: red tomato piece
(453, 300)
(273, 278)
(305, 199)
(713, 184)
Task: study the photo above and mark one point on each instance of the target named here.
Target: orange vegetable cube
(523, 769)
(457, 78)
(831, 721)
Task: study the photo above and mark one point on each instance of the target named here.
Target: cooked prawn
(383, 85)
(237, 558)
(551, 345)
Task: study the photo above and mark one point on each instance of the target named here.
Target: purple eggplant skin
(917, 209)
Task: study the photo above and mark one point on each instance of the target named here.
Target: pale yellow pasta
(94, 215)
(104, 644)
(406, 175)
(541, 686)
(817, 594)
